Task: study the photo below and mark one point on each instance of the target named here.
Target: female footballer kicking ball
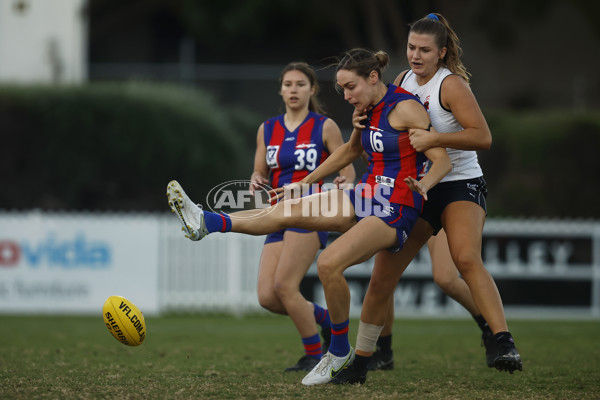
(378, 214)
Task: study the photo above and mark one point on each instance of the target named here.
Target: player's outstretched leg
(197, 223)
(328, 368)
(190, 214)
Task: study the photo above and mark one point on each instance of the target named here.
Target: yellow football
(124, 320)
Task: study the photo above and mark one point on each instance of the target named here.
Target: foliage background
(115, 146)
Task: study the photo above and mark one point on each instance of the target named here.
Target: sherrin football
(124, 320)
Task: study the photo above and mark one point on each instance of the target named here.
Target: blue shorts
(444, 193)
(278, 236)
(398, 216)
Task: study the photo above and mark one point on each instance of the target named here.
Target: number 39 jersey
(391, 157)
(293, 155)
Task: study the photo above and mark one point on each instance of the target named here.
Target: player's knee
(269, 301)
(444, 280)
(282, 290)
(467, 261)
(379, 290)
(326, 267)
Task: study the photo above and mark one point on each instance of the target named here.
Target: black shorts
(444, 193)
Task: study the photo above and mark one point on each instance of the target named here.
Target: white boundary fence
(219, 274)
(70, 263)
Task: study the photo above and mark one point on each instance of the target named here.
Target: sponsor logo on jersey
(384, 180)
(305, 145)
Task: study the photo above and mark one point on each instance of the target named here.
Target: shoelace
(321, 368)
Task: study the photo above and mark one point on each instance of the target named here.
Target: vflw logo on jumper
(272, 155)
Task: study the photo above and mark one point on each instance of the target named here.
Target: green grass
(222, 357)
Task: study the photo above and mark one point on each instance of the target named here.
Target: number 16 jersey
(391, 157)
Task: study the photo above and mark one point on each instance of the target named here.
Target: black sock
(483, 325)
(360, 363)
(384, 344)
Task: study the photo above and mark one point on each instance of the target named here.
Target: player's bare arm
(412, 114)
(458, 97)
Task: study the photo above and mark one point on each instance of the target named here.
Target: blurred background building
(43, 41)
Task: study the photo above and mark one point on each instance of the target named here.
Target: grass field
(223, 357)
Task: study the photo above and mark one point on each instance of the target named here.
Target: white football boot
(327, 368)
(190, 214)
